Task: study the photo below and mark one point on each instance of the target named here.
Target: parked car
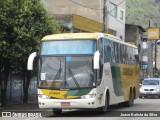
(158, 42)
(150, 87)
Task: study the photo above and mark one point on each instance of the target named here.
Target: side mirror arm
(96, 60)
(30, 60)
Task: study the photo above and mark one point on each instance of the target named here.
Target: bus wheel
(105, 107)
(130, 102)
(57, 111)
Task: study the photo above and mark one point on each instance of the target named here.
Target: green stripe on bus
(78, 92)
(117, 84)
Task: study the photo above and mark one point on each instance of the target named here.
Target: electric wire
(108, 12)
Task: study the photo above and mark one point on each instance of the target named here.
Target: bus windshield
(67, 47)
(62, 72)
(67, 64)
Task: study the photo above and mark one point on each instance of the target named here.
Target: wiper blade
(72, 75)
(58, 75)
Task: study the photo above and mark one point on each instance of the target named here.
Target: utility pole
(150, 56)
(153, 36)
(104, 16)
(155, 66)
(155, 50)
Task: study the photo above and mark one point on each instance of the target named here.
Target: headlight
(88, 96)
(157, 89)
(44, 96)
(141, 89)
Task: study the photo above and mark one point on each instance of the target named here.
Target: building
(109, 13)
(135, 34)
(158, 56)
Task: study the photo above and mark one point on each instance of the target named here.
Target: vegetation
(140, 12)
(22, 24)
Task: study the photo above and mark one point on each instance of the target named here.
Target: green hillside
(139, 12)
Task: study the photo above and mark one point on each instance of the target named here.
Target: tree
(22, 24)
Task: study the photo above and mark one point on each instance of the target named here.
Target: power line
(142, 6)
(95, 8)
(137, 5)
(83, 5)
(117, 5)
(108, 12)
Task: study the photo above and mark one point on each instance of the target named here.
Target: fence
(15, 89)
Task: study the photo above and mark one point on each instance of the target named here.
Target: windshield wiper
(58, 75)
(72, 75)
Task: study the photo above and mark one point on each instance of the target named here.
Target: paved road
(141, 105)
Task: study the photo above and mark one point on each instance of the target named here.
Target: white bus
(86, 70)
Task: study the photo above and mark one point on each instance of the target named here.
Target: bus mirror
(96, 60)
(136, 56)
(136, 51)
(30, 60)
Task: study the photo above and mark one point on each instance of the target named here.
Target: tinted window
(68, 47)
(150, 82)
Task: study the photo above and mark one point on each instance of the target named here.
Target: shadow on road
(114, 110)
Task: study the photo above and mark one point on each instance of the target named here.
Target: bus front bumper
(69, 103)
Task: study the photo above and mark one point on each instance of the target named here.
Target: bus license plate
(65, 103)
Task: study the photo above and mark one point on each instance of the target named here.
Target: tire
(130, 102)
(104, 109)
(57, 111)
(140, 97)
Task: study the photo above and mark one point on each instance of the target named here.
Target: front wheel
(57, 111)
(104, 108)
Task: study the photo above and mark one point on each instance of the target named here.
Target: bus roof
(70, 36)
(95, 36)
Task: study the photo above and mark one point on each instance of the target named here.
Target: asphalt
(20, 107)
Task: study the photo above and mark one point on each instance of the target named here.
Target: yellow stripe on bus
(59, 94)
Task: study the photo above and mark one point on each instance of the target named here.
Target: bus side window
(120, 53)
(108, 54)
(117, 53)
(107, 51)
(136, 57)
(126, 55)
(100, 71)
(133, 57)
(100, 48)
(123, 54)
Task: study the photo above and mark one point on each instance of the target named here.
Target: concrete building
(158, 56)
(134, 34)
(110, 12)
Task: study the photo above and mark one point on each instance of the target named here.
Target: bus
(86, 71)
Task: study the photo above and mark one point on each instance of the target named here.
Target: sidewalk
(20, 107)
